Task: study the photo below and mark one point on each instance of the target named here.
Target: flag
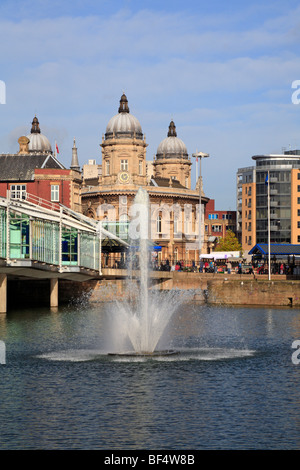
(196, 159)
(267, 179)
(56, 148)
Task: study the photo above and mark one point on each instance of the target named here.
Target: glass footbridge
(41, 242)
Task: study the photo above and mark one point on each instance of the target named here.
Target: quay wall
(212, 289)
(218, 289)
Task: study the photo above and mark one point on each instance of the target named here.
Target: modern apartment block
(252, 200)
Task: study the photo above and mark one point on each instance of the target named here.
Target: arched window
(107, 167)
(158, 224)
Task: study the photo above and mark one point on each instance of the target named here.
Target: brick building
(35, 173)
(217, 223)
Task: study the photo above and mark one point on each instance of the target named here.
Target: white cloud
(224, 78)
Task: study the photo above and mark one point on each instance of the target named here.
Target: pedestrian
(229, 267)
(240, 268)
(201, 267)
(281, 268)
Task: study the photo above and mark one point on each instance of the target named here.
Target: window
(107, 167)
(124, 165)
(54, 192)
(140, 167)
(158, 224)
(298, 223)
(18, 191)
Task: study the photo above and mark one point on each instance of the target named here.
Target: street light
(200, 155)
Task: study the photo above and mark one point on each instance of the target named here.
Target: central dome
(123, 124)
(38, 142)
(172, 146)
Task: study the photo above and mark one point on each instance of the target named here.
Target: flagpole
(55, 153)
(269, 228)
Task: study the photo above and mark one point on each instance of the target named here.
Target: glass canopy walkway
(59, 238)
(38, 242)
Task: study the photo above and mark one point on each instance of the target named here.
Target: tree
(228, 243)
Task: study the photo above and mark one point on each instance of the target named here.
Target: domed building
(109, 188)
(38, 143)
(123, 149)
(34, 173)
(172, 160)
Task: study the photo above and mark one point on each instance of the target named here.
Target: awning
(226, 255)
(277, 249)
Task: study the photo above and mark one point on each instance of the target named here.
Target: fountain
(143, 319)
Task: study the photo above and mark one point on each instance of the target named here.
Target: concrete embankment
(212, 289)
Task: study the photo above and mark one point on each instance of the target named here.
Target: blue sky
(222, 71)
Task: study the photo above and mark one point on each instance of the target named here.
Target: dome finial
(35, 128)
(123, 108)
(172, 130)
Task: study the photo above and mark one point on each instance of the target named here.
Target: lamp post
(200, 155)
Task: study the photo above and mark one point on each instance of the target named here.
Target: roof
(15, 167)
(165, 183)
(276, 249)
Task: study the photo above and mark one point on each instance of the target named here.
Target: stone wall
(206, 288)
(211, 289)
(254, 292)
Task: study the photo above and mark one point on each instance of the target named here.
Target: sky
(223, 71)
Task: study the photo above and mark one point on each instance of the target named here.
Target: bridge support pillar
(3, 293)
(54, 292)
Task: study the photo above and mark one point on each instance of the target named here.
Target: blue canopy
(276, 249)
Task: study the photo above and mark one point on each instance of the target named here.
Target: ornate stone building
(109, 189)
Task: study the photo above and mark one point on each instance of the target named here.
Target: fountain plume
(143, 319)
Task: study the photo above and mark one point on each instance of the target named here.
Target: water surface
(233, 384)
